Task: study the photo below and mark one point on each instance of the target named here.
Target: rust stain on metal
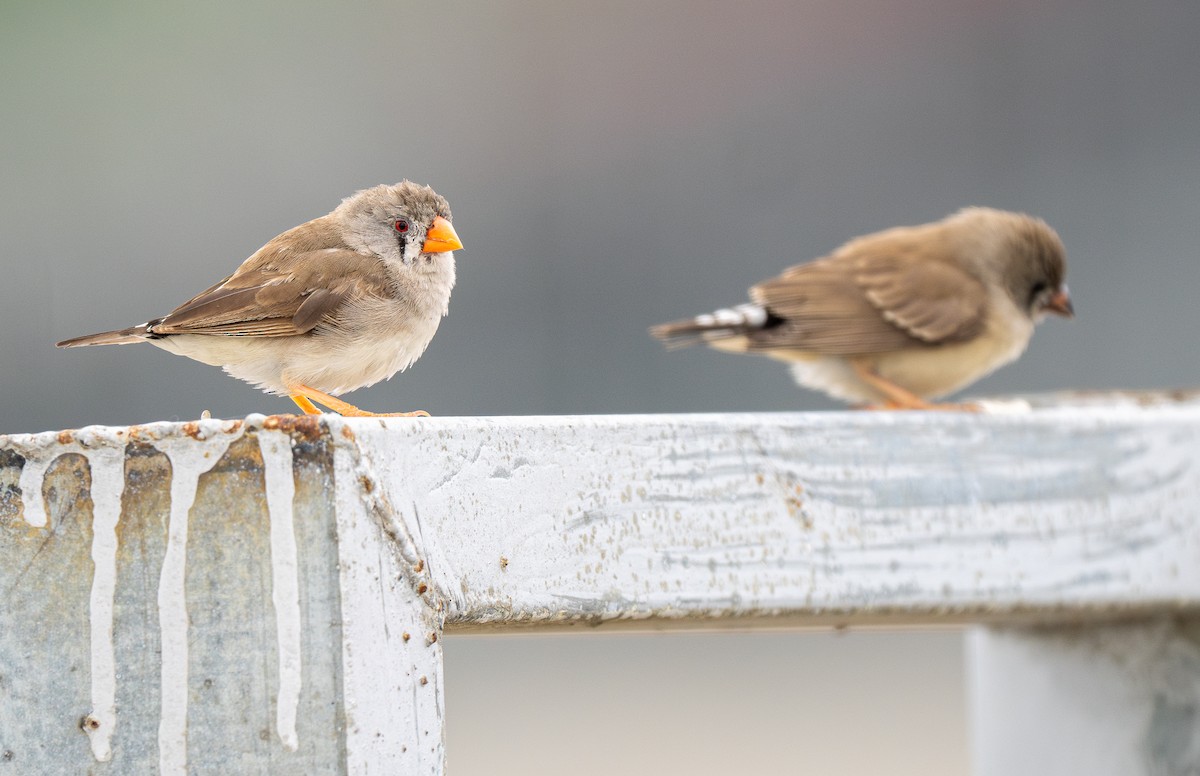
(11, 502)
(192, 429)
(420, 566)
(431, 639)
(422, 589)
(66, 437)
(307, 426)
(503, 562)
(406, 636)
(89, 723)
(367, 485)
(424, 680)
(348, 433)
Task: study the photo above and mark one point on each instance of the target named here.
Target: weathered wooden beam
(270, 594)
(924, 517)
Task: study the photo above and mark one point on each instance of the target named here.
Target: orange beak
(1059, 303)
(441, 237)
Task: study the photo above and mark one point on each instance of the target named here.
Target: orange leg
(897, 398)
(303, 403)
(305, 396)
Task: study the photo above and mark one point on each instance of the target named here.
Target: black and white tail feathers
(722, 324)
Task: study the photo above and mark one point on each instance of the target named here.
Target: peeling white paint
(104, 449)
(285, 581)
(189, 460)
(108, 483)
(32, 474)
(685, 517)
(391, 633)
(192, 450)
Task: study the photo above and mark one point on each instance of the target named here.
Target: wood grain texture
(927, 517)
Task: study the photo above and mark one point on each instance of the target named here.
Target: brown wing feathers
(933, 301)
(857, 304)
(273, 294)
(277, 304)
(869, 297)
(263, 310)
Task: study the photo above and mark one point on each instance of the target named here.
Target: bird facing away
(338, 303)
(902, 316)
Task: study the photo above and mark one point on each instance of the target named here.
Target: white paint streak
(392, 668)
(104, 449)
(32, 504)
(189, 459)
(285, 580)
(108, 483)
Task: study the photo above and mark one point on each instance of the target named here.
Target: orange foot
(305, 396)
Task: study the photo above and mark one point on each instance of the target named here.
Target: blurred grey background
(610, 165)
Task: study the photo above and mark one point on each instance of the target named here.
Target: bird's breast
(936, 372)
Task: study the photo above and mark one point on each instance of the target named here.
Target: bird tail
(118, 337)
(712, 328)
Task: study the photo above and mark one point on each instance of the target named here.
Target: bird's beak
(441, 237)
(1059, 303)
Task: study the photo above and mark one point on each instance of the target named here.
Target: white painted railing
(271, 594)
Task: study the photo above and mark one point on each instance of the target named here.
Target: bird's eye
(1036, 291)
(400, 226)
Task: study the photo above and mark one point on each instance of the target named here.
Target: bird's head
(406, 223)
(1037, 270)
(1025, 256)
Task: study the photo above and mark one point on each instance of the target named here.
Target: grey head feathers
(367, 218)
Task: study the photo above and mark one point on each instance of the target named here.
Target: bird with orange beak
(335, 304)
